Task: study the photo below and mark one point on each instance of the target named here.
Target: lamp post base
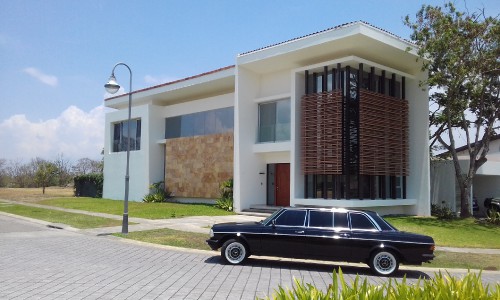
(125, 224)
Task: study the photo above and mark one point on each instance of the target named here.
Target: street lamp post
(112, 87)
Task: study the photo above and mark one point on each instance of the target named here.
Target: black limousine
(334, 234)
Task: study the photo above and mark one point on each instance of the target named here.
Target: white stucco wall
(115, 162)
(147, 164)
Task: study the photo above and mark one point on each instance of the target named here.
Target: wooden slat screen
(383, 135)
(321, 130)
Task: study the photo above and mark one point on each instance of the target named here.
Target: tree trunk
(465, 186)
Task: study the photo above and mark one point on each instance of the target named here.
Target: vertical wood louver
(383, 130)
(321, 129)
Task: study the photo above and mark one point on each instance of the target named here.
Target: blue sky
(55, 56)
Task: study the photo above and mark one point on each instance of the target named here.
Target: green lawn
(54, 216)
(451, 233)
(137, 209)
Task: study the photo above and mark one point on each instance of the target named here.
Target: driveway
(37, 262)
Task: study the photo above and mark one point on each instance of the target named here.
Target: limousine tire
(234, 252)
(384, 263)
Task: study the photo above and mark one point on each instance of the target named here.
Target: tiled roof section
(173, 82)
(325, 30)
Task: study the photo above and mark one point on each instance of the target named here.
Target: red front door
(282, 181)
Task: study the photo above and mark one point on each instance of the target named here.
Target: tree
(461, 52)
(87, 166)
(63, 166)
(45, 173)
(3, 172)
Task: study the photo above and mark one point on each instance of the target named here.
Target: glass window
(267, 121)
(120, 135)
(361, 222)
(274, 121)
(320, 219)
(202, 123)
(282, 120)
(173, 127)
(292, 218)
(341, 221)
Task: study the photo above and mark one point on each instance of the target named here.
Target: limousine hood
(235, 225)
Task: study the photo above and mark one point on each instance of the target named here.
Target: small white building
(334, 118)
(486, 182)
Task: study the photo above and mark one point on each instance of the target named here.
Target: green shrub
(441, 287)
(88, 185)
(442, 212)
(493, 217)
(157, 193)
(225, 201)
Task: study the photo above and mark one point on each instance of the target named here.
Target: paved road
(37, 262)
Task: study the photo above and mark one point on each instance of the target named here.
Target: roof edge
(173, 82)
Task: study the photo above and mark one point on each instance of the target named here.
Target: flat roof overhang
(356, 39)
(205, 85)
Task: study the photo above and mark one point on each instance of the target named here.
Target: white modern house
(334, 118)
(486, 183)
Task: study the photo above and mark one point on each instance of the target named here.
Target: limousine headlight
(211, 232)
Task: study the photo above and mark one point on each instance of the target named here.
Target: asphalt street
(38, 262)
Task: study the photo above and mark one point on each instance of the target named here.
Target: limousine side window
(361, 222)
(341, 221)
(291, 218)
(320, 219)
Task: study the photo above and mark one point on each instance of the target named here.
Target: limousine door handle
(344, 235)
(299, 231)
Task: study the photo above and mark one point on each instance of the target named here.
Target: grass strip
(170, 237)
(137, 209)
(465, 233)
(54, 216)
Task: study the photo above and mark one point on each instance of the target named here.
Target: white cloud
(75, 133)
(42, 77)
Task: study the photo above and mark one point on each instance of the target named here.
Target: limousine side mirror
(274, 223)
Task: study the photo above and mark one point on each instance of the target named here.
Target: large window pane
(120, 136)
(210, 127)
(283, 121)
(321, 219)
(202, 123)
(198, 124)
(172, 127)
(187, 124)
(292, 218)
(267, 121)
(274, 121)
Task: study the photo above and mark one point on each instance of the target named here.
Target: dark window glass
(202, 123)
(320, 219)
(292, 218)
(120, 135)
(340, 220)
(198, 124)
(210, 122)
(173, 127)
(267, 121)
(187, 124)
(360, 221)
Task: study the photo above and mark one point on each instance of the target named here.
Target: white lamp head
(112, 86)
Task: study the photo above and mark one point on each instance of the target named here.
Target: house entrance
(278, 184)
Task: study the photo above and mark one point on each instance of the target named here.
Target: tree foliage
(461, 52)
(45, 174)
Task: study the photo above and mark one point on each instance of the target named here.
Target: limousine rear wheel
(384, 263)
(234, 252)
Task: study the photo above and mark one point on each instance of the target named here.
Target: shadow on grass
(319, 267)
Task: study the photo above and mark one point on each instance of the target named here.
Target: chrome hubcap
(235, 253)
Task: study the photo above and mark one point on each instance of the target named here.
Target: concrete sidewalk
(199, 224)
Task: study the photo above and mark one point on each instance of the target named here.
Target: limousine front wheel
(234, 252)
(384, 263)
